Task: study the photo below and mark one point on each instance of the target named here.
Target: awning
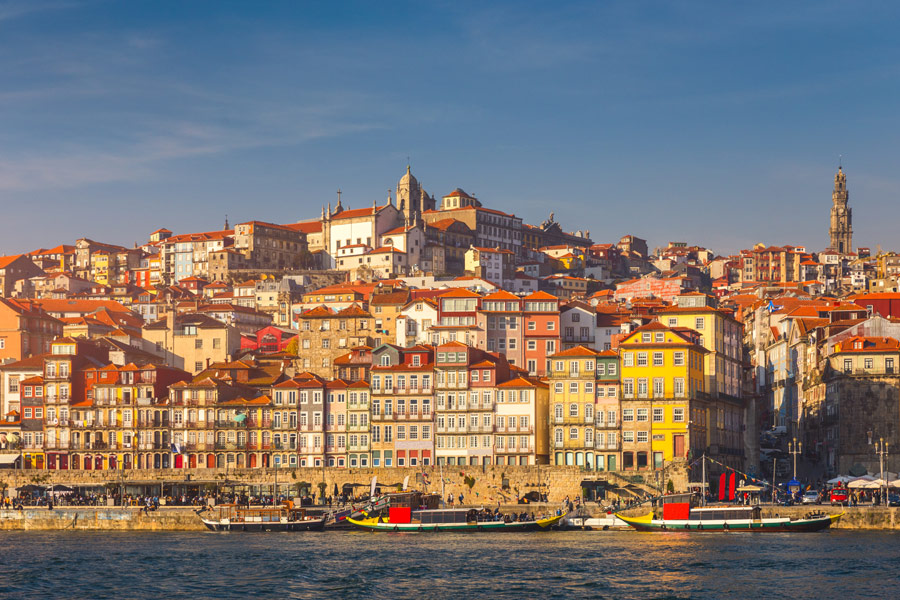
(8, 460)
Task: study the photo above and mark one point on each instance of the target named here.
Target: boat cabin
(726, 513)
(278, 514)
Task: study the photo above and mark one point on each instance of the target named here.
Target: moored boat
(417, 512)
(683, 517)
(230, 517)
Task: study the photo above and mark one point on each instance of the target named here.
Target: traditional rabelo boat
(418, 512)
(682, 517)
(230, 517)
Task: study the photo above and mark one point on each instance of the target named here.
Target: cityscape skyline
(725, 118)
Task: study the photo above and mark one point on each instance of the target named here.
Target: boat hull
(484, 526)
(771, 525)
(309, 525)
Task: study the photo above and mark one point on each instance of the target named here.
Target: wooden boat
(417, 512)
(683, 517)
(230, 517)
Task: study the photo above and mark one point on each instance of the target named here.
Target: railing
(515, 429)
(516, 450)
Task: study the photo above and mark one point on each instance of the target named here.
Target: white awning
(8, 460)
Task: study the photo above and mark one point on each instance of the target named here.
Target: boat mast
(703, 488)
(442, 483)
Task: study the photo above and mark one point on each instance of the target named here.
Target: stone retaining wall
(487, 483)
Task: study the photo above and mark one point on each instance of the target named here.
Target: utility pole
(881, 449)
(794, 448)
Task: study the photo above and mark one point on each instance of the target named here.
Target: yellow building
(720, 333)
(573, 382)
(663, 396)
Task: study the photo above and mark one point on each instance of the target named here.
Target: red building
(268, 340)
(886, 304)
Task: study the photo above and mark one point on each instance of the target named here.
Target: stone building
(325, 334)
(841, 229)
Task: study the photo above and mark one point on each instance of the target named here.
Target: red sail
(723, 485)
(731, 481)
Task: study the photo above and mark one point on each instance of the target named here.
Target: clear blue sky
(716, 123)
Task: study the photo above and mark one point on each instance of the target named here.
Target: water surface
(835, 564)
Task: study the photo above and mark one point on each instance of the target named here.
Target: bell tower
(841, 230)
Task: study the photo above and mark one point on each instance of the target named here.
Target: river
(835, 564)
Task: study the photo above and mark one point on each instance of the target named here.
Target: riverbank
(185, 519)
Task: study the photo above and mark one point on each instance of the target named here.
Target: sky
(715, 123)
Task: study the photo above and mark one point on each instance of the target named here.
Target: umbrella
(61, 488)
(860, 482)
(874, 485)
(840, 479)
(749, 488)
(895, 483)
(31, 488)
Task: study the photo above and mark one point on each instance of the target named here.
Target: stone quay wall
(488, 485)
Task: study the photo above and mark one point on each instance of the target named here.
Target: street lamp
(794, 448)
(881, 449)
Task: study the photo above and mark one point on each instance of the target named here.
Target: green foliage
(670, 487)
(292, 346)
(469, 481)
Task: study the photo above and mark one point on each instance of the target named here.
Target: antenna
(840, 161)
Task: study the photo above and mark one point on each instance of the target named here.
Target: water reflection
(360, 564)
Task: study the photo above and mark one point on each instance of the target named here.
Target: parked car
(893, 499)
(811, 497)
(839, 496)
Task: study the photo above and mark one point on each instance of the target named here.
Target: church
(841, 230)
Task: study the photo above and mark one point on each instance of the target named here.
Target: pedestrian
(460, 499)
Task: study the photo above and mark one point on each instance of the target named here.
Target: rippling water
(836, 564)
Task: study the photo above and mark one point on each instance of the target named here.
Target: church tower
(412, 199)
(841, 230)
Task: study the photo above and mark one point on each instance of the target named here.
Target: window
(628, 388)
(678, 385)
(642, 437)
(628, 359)
(657, 415)
(558, 411)
(679, 359)
(532, 345)
(657, 359)
(642, 359)
(198, 366)
(198, 343)
(558, 436)
(573, 433)
(678, 415)
(699, 323)
(573, 387)
(642, 387)
(627, 415)
(868, 363)
(573, 410)
(628, 437)
(658, 387)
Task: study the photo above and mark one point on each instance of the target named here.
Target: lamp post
(794, 448)
(881, 449)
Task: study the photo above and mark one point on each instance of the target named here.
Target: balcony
(514, 429)
(515, 450)
(231, 446)
(558, 444)
(358, 448)
(357, 428)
